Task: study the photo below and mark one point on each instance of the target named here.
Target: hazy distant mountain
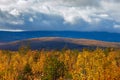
(103, 36)
(58, 43)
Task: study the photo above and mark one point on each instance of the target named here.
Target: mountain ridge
(102, 36)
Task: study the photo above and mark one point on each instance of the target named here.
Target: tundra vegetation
(27, 64)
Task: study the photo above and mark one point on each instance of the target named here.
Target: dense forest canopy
(26, 64)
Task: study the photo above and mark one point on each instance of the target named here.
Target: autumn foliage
(68, 64)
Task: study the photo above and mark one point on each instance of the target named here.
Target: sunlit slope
(58, 43)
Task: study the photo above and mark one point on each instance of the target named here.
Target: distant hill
(58, 43)
(102, 36)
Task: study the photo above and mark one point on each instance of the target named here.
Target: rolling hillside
(58, 43)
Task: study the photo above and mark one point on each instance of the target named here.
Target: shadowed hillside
(58, 43)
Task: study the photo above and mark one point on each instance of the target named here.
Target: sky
(60, 15)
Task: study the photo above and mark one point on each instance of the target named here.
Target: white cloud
(31, 19)
(104, 15)
(14, 12)
(117, 26)
(112, 8)
(11, 30)
(73, 12)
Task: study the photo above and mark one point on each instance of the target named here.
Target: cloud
(117, 26)
(111, 8)
(11, 30)
(75, 3)
(81, 15)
